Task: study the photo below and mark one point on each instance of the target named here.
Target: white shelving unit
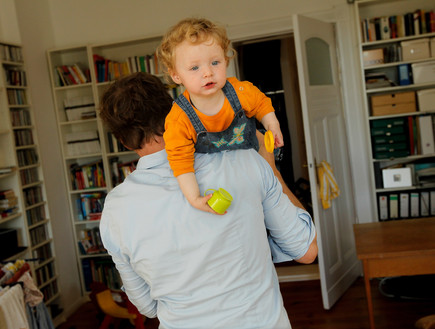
(22, 173)
(100, 64)
(394, 148)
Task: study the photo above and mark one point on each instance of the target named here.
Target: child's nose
(207, 72)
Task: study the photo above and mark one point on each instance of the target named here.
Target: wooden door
(325, 137)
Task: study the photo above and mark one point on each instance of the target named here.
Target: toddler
(214, 113)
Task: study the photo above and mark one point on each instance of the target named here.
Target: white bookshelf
(130, 55)
(369, 10)
(20, 152)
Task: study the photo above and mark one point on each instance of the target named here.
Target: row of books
(8, 203)
(15, 77)
(90, 205)
(23, 137)
(29, 176)
(72, 75)
(20, 117)
(87, 176)
(408, 204)
(38, 235)
(79, 108)
(101, 270)
(108, 70)
(27, 157)
(42, 253)
(35, 215)
(50, 290)
(44, 273)
(16, 97)
(90, 242)
(11, 53)
(33, 196)
(121, 169)
(398, 26)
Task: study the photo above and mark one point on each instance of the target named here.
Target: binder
(424, 204)
(383, 207)
(404, 205)
(432, 203)
(414, 204)
(394, 206)
(426, 134)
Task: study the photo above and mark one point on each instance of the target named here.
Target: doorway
(270, 64)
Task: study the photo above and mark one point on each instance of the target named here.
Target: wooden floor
(303, 303)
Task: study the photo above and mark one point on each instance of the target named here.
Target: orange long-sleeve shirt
(180, 136)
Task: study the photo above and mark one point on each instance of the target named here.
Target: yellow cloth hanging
(328, 185)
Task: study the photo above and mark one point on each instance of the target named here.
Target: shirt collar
(153, 160)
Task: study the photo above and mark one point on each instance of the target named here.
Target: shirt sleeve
(291, 229)
(253, 101)
(180, 139)
(137, 290)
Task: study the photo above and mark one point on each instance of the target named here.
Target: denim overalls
(240, 134)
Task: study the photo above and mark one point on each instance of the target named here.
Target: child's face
(201, 68)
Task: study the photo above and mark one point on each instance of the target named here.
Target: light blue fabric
(198, 270)
(38, 317)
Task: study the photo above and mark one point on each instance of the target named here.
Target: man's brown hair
(134, 109)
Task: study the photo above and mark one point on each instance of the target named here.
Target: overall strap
(190, 112)
(231, 95)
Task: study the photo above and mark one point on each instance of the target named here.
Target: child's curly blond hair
(195, 30)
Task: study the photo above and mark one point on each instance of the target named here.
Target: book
(385, 28)
(80, 73)
(394, 204)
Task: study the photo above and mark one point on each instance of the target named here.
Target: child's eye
(194, 68)
(215, 63)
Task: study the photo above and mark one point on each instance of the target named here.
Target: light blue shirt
(194, 269)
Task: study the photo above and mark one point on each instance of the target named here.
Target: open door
(326, 140)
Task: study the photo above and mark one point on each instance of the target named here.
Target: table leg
(368, 294)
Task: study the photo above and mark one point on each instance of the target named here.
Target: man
(189, 268)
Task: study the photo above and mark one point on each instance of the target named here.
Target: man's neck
(156, 144)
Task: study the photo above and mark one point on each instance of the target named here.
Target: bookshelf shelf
(20, 152)
(395, 110)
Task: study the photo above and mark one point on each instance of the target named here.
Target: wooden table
(395, 248)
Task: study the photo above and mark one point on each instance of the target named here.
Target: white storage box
(373, 57)
(398, 177)
(423, 72)
(432, 47)
(426, 100)
(415, 49)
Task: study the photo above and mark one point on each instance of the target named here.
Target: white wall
(54, 24)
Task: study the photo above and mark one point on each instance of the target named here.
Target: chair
(114, 312)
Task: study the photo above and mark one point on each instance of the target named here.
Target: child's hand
(277, 134)
(200, 203)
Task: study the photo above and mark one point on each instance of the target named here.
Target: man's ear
(175, 77)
